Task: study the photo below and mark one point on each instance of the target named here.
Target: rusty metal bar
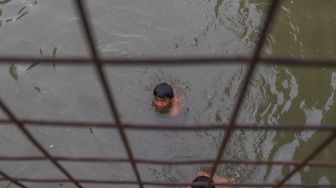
(298, 62)
(165, 162)
(175, 61)
(129, 61)
(251, 69)
(10, 179)
(318, 150)
(163, 184)
(31, 138)
(80, 5)
(153, 127)
(266, 127)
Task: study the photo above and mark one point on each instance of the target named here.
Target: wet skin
(162, 104)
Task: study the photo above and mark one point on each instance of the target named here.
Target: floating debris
(37, 89)
(22, 9)
(54, 55)
(35, 63)
(54, 51)
(9, 19)
(23, 14)
(13, 72)
(4, 1)
(32, 65)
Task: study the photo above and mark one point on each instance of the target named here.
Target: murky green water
(148, 28)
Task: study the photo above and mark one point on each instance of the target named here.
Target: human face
(162, 103)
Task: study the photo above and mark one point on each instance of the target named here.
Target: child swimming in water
(165, 101)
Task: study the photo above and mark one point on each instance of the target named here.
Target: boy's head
(163, 94)
(203, 182)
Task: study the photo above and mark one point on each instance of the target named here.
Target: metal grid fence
(250, 61)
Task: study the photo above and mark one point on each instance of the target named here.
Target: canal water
(153, 28)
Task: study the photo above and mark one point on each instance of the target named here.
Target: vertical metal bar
(318, 150)
(12, 180)
(252, 64)
(36, 143)
(98, 64)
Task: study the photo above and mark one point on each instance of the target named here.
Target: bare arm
(177, 105)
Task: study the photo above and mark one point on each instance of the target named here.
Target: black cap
(163, 90)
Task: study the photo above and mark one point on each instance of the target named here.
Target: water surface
(151, 28)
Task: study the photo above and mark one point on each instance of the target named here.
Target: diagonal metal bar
(324, 144)
(251, 69)
(94, 53)
(9, 178)
(31, 138)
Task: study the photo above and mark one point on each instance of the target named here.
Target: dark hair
(163, 90)
(203, 182)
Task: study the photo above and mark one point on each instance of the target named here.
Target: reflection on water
(145, 28)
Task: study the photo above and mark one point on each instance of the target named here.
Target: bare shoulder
(177, 105)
